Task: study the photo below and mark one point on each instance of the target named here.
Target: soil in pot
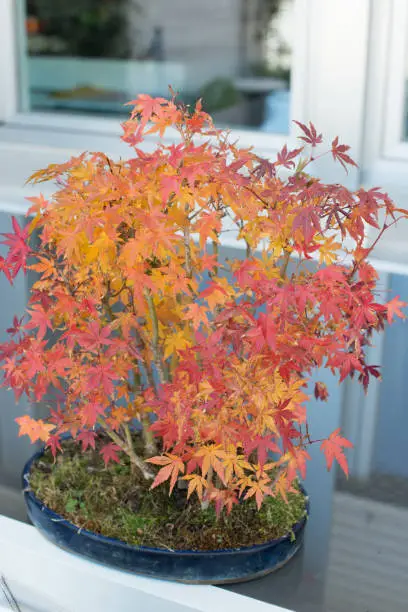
(117, 503)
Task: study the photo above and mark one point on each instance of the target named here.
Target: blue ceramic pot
(188, 566)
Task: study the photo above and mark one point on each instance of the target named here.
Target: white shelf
(48, 579)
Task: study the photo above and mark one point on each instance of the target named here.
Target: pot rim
(55, 517)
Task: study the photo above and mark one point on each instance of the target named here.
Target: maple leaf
(307, 221)
(176, 154)
(211, 457)
(259, 489)
(339, 153)
(243, 272)
(215, 295)
(34, 360)
(175, 343)
(54, 444)
(146, 106)
(264, 168)
(39, 319)
(311, 136)
(44, 266)
(90, 412)
(346, 362)
(208, 226)
(169, 184)
(36, 429)
(87, 438)
(19, 250)
(109, 452)
(327, 251)
(263, 445)
(173, 466)
(321, 392)
(95, 336)
(297, 462)
(196, 483)
(16, 327)
(394, 308)
(333, 449)
(197, 314)
(101, 375)
(269, 328)
(39, 204)
(285, 157)
(6, 269)
(235, 465)
(369, 370)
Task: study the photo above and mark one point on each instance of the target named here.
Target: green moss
(116, 503)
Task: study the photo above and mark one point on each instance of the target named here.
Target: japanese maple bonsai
(172, 366)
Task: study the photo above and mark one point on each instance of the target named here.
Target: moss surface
(116, 503)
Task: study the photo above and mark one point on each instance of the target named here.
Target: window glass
(94, 55)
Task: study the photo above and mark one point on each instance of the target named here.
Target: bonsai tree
(137, 324)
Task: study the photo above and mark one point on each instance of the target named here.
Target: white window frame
(11, 50)
(393, 146)
(385, 153)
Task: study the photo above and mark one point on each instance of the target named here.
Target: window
(92, 56)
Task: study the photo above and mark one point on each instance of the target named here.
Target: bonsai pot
(186, 566)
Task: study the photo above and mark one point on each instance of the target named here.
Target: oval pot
(187, 566)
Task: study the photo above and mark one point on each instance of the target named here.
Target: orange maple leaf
(34, 429)
(333, 449)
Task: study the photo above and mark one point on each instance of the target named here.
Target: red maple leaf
(339, 153)
(369, 370)
(109, 452)
(176, 154)
(263, 445)
(33, 363)
(297, 463)
(307, 221)
(311, 136)
(87, 438)
(285, 157)
(5, 267)
(53, 443)
(394, 308)
(95, 336)
(173, 465)
(333, 449)
(169, 185)
(243, 272)
(146, 106)
(101, 375)
(18, 247)
(269, 328)
(346, 363)
(208, 226)
(321, 392)
(89, 413)
(39, 320)
(264, 168)
(16, 327)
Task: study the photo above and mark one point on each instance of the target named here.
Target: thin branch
(285, 264)
(216, 253)
(187, 251)
(155, 336)
(129, 450)
(248, 248)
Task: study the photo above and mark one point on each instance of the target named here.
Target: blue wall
(392, 424)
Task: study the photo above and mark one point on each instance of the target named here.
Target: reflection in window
(94, 55)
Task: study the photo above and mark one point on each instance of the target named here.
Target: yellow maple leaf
(175, 343)
(328, 251)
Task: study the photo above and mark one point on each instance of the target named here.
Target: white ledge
(44, 577)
